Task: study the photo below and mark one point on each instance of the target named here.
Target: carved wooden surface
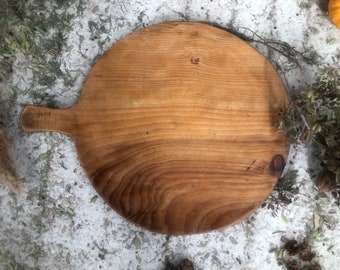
(175, 128)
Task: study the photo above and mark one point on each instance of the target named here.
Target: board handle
(35, 118)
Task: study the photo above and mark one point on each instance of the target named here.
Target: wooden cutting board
(175, 128)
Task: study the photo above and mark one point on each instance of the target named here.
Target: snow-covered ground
(58, 222)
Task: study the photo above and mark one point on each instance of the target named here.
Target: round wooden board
(175, 127)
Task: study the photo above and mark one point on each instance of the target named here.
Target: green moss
(33, 28)
(8, 262)
(313, 118)
(283, 193)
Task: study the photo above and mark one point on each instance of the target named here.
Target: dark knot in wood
(277, 165)
(195, 60)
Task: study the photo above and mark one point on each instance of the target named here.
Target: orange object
(334, 11)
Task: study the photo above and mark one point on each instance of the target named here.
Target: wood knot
(195, 60)
(277, 165)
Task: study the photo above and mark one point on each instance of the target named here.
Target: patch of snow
(78, 231)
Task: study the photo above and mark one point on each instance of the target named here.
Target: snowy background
(58, 221)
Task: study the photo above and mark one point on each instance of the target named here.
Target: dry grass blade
(8, 174)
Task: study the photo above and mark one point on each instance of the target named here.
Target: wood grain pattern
(175, 128)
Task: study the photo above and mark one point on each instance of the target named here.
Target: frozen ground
(57, 222)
